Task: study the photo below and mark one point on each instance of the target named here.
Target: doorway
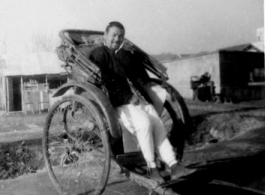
(14, 94)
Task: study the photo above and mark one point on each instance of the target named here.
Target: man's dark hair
(116, 24)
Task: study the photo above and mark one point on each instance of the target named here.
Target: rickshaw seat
(91, 44)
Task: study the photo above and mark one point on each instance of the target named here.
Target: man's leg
(164, 147)
(161, 141)
(138, 122)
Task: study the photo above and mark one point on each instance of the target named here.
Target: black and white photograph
(130, 97)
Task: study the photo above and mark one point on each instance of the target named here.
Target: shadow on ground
(242, 176)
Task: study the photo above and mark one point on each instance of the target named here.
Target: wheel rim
(75, 150)
(175, 118)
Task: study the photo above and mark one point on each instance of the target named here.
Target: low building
(27, 82)
(235, 72)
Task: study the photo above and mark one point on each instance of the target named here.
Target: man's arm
(98, 56)
(138, 75)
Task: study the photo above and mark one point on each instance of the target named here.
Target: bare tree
(3, 45)
(41, 42)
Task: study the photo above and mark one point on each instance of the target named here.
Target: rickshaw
(83, 140)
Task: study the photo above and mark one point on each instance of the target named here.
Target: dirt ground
(20, 122)
(24, 133)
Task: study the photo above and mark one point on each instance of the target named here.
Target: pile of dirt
(22, 157)
(224, 126)
(18, 158)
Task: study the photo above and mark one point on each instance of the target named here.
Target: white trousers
(143, 121)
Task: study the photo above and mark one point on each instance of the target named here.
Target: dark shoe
(155, 175)
(178, 171)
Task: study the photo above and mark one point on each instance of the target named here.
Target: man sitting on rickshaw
(120, 71)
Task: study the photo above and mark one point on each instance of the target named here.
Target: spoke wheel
(176, 119)
(76, 147)
(173, 120)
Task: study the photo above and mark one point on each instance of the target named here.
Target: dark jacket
(116, 69)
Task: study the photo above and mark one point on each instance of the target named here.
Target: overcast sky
(176, 26)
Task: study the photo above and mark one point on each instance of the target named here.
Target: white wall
(180, 71)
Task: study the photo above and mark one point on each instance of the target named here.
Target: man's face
(114, 37)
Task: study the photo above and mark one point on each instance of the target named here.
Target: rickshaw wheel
(176, 119)
(76, 147)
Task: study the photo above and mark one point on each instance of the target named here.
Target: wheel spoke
(76, 151)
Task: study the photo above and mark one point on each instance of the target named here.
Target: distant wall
(17, 94)
(180, 71)
(232, 73)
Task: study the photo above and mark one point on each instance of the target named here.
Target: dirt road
(40, 184)
(30, 128)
